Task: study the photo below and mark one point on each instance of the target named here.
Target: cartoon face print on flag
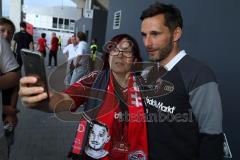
(98, 137)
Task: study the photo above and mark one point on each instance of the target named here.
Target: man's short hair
(99, 124)
(172, 14)
(43, 35)
(4, 21)
(81, 36)
(23, 24)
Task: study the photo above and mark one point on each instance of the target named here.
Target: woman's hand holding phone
(30, 93)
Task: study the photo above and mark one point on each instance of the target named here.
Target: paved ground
(41, 136)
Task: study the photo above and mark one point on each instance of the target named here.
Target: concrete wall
(57, 11)
(15, 12)
(0, 8)
(99, 27)
(84, 25)
(211, 34)
(94, 27)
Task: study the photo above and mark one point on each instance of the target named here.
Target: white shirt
(7, 64)
(175, 60)
(71, 50)
(82, 48)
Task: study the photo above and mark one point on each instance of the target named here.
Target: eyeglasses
(116, 52)
(124, 47)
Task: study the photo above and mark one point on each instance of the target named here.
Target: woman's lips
(119, 63)
(151, 52)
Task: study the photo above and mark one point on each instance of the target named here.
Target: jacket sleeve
(207, 108)
(80, 90)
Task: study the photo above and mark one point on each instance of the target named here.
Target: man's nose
(5, 34)
(94, 138)
(148, 41)
(120, 53)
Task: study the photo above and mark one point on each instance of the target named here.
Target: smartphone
(33, 64)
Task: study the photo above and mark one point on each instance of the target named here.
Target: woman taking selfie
(114, 126)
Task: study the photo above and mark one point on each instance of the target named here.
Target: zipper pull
(146, 110)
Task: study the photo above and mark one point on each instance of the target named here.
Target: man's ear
(134, 60)
(177, 34)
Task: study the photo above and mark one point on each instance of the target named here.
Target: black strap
(117, 91)
(98, 91)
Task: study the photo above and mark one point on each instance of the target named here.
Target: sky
(36, 3)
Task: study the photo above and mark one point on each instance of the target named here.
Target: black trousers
(52, 54)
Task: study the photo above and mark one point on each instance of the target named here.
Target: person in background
(70, 52)
(22, 39)
(93, 57)
(8, 78)
(69, 41)
(42, 44)
(189, 118)
(7, 29)
(53, 50)
(60, 42)
(81, 61)
(9, 96)
(94, 49)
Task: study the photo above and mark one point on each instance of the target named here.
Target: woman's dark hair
(172, 15)
(4, 21)
(117, 39)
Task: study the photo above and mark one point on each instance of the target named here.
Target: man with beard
(194, 93)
